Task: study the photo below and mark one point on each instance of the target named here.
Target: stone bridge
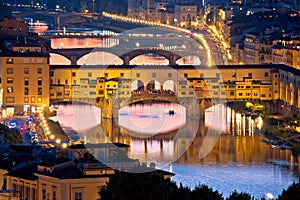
(127, 54)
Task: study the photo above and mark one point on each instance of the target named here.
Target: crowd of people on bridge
(153, 91)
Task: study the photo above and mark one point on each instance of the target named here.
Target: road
(215, 51)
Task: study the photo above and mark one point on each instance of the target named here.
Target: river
(234, 157)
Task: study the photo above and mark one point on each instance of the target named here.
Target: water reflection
(238, 160)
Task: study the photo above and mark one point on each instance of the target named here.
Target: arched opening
(99, 58)
(169, 86)
(149, 59)
(137, 86)
(56, 59)
(189, 60)
(153, 86)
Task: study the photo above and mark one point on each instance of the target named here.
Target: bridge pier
(73, 60)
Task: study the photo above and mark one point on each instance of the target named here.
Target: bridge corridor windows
(154, 87)
(137, 86)
(169, 86)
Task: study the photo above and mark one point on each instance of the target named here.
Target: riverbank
(281, 131)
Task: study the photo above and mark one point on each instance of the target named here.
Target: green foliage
(254, 107)
(11, 136)
(293, 192)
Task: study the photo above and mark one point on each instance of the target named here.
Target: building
(186, 15)
(25, 76)
(79, 175)
(24, 69)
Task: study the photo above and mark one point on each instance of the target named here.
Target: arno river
(225, 152)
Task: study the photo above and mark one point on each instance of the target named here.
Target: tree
(293, 192)
(151, 186)
(239, 196)
(11, 136)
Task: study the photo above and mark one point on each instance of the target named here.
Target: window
(26, 82)
(78, 195)
(138, 75)
(255, 94)
(66, 82)
(248, 94)
(10, 90)
(58, 81)
(218, 75)
(153, 75)
(33, 193)
(40, 91)
(9, 61)
(40, 70)
(266, 74)
(26, 91)
(231, 93)
(240, 94)
(182, 93)
(185, 75)
(89, 74)
(106, 75)
(10, 80)
(10, 70)
(121, 74)
(39, 82)
(32, 99)
(26, 99)
(39, 99)
(10, 99)
(54, 193)
(73, 74)
(100, 92)
(44, 197)
(169, 75)
(250, 75)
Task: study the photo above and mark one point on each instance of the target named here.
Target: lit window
(32, 99)
(26, 99)
(26, 82)
(10, 90)
(9, 61)
(10, 99)
(39, 99)
(10, 80)
(39, 81)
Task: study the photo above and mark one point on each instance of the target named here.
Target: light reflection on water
(239, 160)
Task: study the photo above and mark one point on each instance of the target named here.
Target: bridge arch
(149, 59)
(99, 58)
(172, 57)
(59, 59)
